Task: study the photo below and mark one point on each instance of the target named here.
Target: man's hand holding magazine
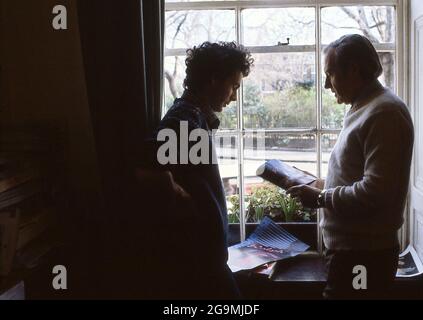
(298, 183)
(308, 195)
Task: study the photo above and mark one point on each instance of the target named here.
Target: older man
(368, 176)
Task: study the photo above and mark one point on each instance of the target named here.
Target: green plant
(268, 199)
(233, 208)
(264, 199)
(290, 207)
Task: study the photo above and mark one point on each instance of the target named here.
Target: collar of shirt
(212, 120)
(366, 94)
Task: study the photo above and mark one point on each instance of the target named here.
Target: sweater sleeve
(384, 139)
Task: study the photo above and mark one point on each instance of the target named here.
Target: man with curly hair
(213, 75)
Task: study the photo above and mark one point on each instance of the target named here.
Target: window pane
(263, 197)
(267, 27)
(184, 29)
(332, 112)
(228, 117)
(227, 154)
(375, 22)
(174, 75)
(387, 59)
(280, 91)
(327, 143)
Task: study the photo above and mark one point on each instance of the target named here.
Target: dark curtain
(121, 44)
(153, 15)
(122, 53)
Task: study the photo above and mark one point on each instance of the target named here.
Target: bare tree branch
(176, 16)
(361, 21)
(377, 21)
(178, 28)
(175, 69)
(171, 81)
(170, 16)
(300, 21)
(171, 77)
(388, 29)
(338, 27)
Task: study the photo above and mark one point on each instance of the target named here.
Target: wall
(43, 82)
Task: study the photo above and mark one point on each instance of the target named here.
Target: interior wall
(42, 82)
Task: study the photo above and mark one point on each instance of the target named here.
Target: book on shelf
(16, 179)
(283, 175)
(19, 230)
(9, 226)
(31, 161)
(32, 225)
(20, 193)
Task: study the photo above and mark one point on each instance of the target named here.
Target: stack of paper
(269, 242)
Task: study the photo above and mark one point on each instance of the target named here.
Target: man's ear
(354, 69)
(213, 81)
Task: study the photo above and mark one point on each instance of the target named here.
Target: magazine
(283, 175)
(409, 264)
(268, 243)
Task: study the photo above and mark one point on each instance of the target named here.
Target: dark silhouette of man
(197, 241)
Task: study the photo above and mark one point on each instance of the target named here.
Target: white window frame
(400, 48)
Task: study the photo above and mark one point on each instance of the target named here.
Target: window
(283, 111)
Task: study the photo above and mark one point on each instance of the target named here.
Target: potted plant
(269, 200)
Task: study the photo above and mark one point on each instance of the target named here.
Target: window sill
(300, 277)
(304, 277)
(306, 267)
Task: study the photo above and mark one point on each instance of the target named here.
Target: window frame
(399, 49)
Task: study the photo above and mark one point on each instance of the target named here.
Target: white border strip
(243, 4)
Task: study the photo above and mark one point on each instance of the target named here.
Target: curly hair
(215, 60)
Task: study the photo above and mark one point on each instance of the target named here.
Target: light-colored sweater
(368, 174)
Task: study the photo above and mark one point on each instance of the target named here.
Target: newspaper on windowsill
(283, 175)
(268, 243)
(409, 264)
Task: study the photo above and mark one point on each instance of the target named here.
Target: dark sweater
(205, 231)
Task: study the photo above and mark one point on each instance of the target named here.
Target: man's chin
(339, 100)
(218, 108)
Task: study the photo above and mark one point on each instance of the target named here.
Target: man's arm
(161, 187)
(386, 143)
